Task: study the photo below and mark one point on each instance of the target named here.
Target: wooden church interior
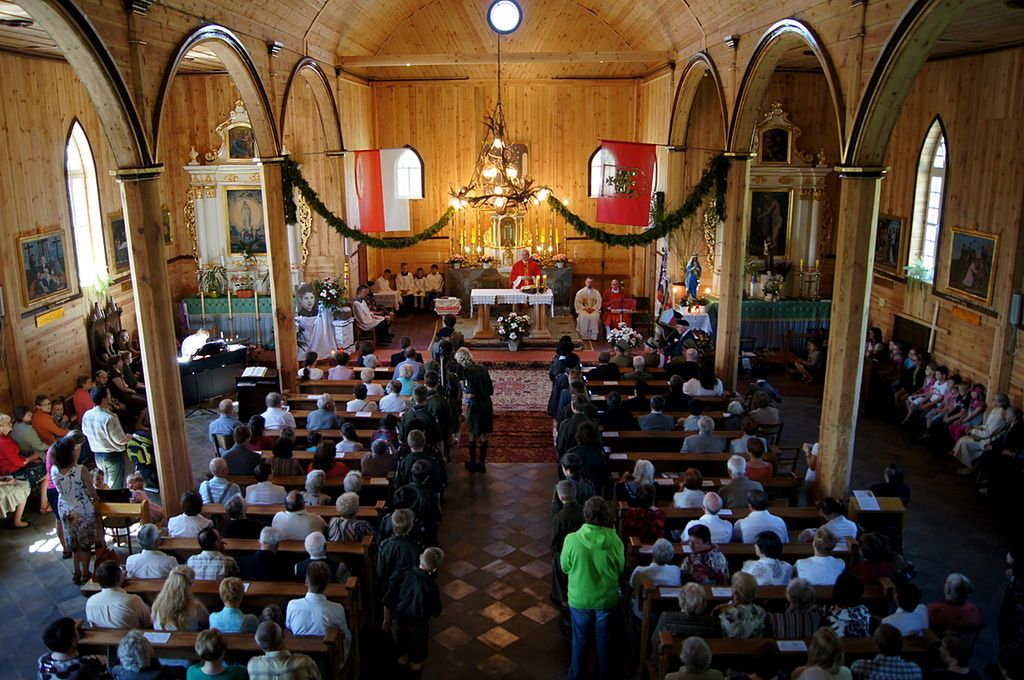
(903, 193)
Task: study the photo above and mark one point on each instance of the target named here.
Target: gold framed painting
(972, 262)
(47, 270)
(241, 142)
(243, 208)
(771, 215)
(889, 244)
(117, 244)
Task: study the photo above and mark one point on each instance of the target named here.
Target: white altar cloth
(510, 296)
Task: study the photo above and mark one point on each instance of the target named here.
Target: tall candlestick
(231, 317)
(256, 300)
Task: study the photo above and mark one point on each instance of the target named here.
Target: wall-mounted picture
(770, 216)
(46, 268)
(241, 143)
(889, 243)
(244, 210)
(971, 264)
(168, 222)
(117, 243)
(775, 146)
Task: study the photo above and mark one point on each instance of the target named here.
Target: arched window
(596, 173)
(929, 200)
(84, 199)
(409, 175)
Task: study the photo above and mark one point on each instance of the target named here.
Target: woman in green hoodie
(593, 558)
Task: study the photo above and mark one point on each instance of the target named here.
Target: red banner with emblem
(627, 181)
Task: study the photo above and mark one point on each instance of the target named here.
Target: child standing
(411, 600)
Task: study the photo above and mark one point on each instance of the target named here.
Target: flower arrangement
(457, 259)
(560, 257)
(624, 337)
(487, 259)
(330, 294)
(513, 327)
(696, 302)
(701, 341)
(773, 286)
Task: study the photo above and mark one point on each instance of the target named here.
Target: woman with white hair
(314, 486)
(135, 655)
(347, 527)
(324, 417)
(405, 377)
(955, 611)
(643, 473)
(660, 571)
(353, 482)
(692, 618)
(970, 447)
(696, 662)
(372, 388)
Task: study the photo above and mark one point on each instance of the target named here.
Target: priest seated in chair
(588, 310)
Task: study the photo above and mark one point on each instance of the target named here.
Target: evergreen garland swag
(292, 179)
(712, 180)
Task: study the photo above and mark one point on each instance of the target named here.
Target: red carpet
(518, 437)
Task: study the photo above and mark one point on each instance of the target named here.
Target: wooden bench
(353, 459)
(326, 651)
(736, 553)
(355, 417)
(736, 653)
(677, 518)
(656, 599)
(318, 387)
(258, 594)
(638, 440)
(785, 487)
(371, 513)
(306, 402)
(374, 488)
(671, 461)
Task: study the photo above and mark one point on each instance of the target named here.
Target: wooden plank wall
(981, 101)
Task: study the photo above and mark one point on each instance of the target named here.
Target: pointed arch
(778, 39)
(242, 71)
(901, 59)
(930, 191)
(83, 193)
(699, 67)
(309, 70)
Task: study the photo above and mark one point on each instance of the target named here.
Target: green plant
(773, 286)
(754, 266)
(919, 276)
(102, 284)
(248, 256)
(213, 280)
(245, 282)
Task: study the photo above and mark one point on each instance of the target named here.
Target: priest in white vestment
(366, 320)
(588, 311)
(403, 284)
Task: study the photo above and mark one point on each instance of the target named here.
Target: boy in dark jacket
(399, 552)
(411, 600)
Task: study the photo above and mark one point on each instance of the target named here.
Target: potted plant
(625, 338)
(560, 260)
(213, 280)
(754, 267)
(248, 256)
(330, 295)
(697, 305)
(772, 288)
(245, 286)
(456, 261)
(487, 261)
(513, 328)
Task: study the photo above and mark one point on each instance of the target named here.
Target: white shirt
(909, 623)
(314, 614)
(340, 373)
(419, 286)
(295, 526)
(382, 285)
(822, 570)
(693, 388)
(114, 608)
(688, 498)
(841, 527)
(192, 344)
(374, 390)
(314, 373)
(721, 529)
(103, 430)
(403, 282)
(393, 403)
(434, 282)
(356, 405)
(739, 445)
(183, 526)
(769, 571)
(365, 319)
(150, 564)
(276, 418)
(265, 493)
(757, 521)
(660, 575)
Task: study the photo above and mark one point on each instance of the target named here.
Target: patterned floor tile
(498, 638)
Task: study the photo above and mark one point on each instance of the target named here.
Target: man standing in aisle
(525, 272)
(106, 438)
(588, 310)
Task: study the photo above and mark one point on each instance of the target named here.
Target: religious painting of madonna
(241, 143)
(971, 264)
(46, 267)
(244, 210)
(770, 214)
(888, 243)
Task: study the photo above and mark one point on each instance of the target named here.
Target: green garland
(292, 179)
(713, 180)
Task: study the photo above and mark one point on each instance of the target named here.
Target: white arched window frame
(595, 180)
(84, 202)
(409, 175)
(929, 200)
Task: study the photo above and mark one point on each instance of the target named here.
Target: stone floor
(498, 621)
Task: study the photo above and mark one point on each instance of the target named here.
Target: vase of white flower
(513, 328)
(513, 345)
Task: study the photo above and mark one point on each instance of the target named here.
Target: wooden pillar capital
(337, 154)
(856, 172)
(138, 174)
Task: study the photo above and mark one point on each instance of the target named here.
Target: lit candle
(223, 263)
(200, 263)
(801, 264)
(817, 265)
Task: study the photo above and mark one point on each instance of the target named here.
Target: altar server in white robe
(588, 311)
(383, 283)
(435, 284)
(403, 284)
(366, 320)
(419, 289)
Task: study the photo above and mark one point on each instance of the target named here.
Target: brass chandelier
(499, 183)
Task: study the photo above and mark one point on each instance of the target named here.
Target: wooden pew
(258, 594)
(671, 461)
(780, 486)
(656, 599)
(735, 553)
(374, 488)
(735, 653)
(300, 433)
(353, 459)
(326, 651)
(371, 418)
(266, 513)
(308, 401)
(677, 518)
(319, 387)
(637, 440)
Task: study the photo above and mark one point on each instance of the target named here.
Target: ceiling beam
(384, 60)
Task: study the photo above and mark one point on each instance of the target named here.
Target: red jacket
(10, 456)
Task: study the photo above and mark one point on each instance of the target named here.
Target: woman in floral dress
(75, 497)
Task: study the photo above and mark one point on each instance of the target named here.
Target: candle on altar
(801, 264)
(817, 265)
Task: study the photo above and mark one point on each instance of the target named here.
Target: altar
(461, 282)
(483, 298)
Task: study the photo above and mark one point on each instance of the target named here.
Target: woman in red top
(30, 469)
(43, 422)
(956, 611)
(259, 441)
(324, 460)
(646, 521)
(876, 559)
(757, 467)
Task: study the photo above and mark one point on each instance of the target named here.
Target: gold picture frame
(243, 216)
(47, 268)
(767, 208)
(889, 244)
(970, 269)
(117, 244)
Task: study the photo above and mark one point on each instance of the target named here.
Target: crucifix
(769, 255)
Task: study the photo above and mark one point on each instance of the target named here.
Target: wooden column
(140, 198)
(352, 271)
(858, 214)
(732, 280)
(278, 261)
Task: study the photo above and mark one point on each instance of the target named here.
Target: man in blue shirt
(226, 422)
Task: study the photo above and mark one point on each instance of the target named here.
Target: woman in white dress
(75, 497)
